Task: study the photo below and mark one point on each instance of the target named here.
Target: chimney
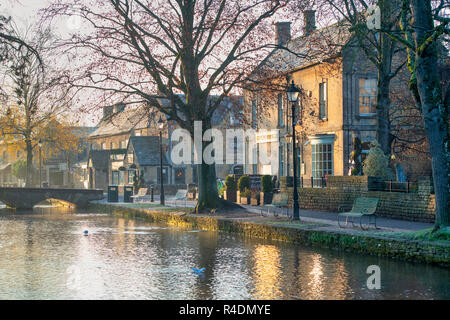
(118, 107)
(107, 111)
(309, 21)
(282, 32)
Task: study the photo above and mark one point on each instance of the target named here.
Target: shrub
(230, 183)
(243, 183)
(246, 193)
(254, 193)
(377, 163)
(266, 184)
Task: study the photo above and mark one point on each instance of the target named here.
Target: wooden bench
(141, 195)
(179, 196)
(361, 207)
(279, 200)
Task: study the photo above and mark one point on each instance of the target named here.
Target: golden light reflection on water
(316, 283)
(267, 272)
(340, 288)
(320, 280)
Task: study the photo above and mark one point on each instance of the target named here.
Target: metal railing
(394, 186)
(312, 182)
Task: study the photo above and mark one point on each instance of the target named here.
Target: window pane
(367, 95)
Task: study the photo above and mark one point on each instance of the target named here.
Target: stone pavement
(327, 218)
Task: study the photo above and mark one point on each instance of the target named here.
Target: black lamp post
(161, 126)
(40, 163)
(292, 93)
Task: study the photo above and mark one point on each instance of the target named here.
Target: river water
(44, 255)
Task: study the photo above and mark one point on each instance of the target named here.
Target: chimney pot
(282, 32)
(309, 21)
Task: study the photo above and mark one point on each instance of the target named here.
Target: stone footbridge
(27, 198)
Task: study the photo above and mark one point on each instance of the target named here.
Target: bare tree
(422, 29)
(33, 96)
(178, 50)
(379, 48)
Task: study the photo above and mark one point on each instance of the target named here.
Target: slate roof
(100, 158)
(320, 45)
(122, 122)
(230, 104)
(146, 149)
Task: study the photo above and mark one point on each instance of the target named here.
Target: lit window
(367, 96)
(117, 178)
(281, 161)
(280, 111)
(323, 99)
(322, 160)
(254, 115)
(131, 174)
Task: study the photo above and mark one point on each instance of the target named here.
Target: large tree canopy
(178, 50)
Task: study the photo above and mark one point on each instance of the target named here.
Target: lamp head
(160, 123)
(292, 92)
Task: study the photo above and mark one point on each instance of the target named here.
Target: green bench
(279, 200)
(361, 207)
(141, 195)
(181, 195)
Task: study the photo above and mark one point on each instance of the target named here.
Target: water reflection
(267, 272)
(41, 253)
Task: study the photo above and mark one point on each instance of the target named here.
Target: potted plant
(192, 191)
(245, 196)
(230, 189)
(267, 189)
(255, 197)
(243, 183)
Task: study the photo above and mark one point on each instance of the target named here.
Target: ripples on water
(44, 255)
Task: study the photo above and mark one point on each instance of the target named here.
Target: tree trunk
(434, 112)
(29, 176)
(208, 196)
(384, 136)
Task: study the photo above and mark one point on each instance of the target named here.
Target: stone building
(58, 169)
(336, 106)
(127, 140)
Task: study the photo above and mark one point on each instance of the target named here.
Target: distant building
(130, 135)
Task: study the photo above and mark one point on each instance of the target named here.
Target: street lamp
(161, 126)
(292, 94)
(40, 165)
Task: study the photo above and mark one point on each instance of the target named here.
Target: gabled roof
(229, 104)
(100, 158)
(122, 122)
(146, 149)
(320, 45)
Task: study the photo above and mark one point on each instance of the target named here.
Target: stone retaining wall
(343, 191)
(411, 250)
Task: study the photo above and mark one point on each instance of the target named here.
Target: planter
(245, 200)
(191, 195)
(266, 197)
(230, 195)
(254, 202)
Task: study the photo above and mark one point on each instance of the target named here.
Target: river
(44, 254)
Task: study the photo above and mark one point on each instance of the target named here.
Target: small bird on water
(198, 271)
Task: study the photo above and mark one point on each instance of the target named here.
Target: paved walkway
(328, 218)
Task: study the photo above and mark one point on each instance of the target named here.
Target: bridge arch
(27, 198)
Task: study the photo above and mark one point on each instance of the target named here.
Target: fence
(394, 186)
